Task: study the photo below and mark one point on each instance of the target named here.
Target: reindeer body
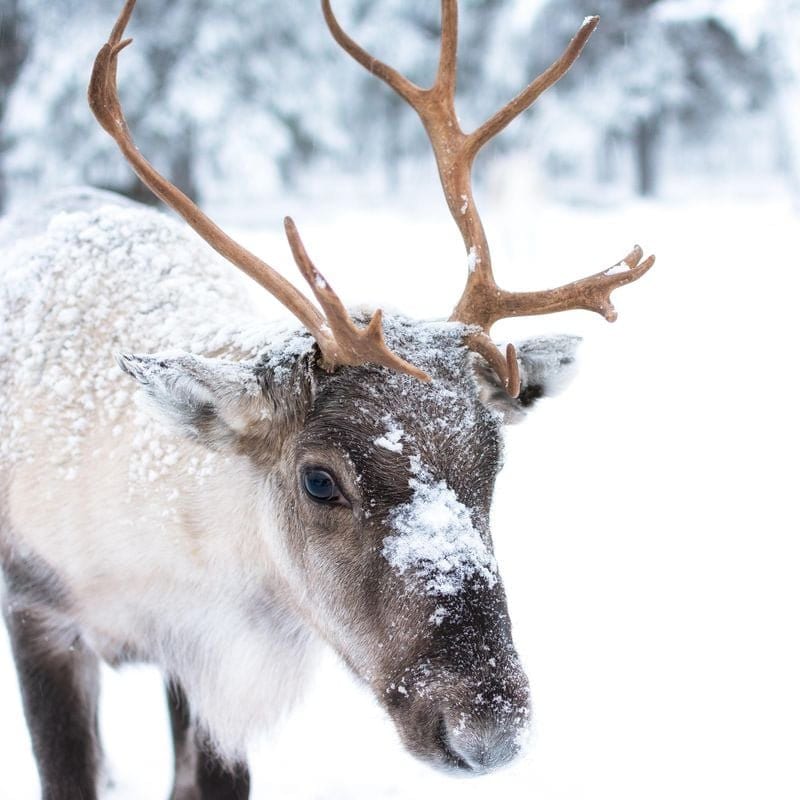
(150, 545)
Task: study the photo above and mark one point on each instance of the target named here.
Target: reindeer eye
(321, 487)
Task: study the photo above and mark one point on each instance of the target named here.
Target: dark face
(388, 483)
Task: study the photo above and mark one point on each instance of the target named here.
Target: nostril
(481, 745)
(451, 753)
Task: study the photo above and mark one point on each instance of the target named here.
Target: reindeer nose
(482, 744)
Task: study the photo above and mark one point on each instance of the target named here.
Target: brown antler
(339, 340)
(483, 302)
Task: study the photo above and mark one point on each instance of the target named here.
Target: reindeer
(266, 491)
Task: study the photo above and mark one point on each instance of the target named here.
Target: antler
(483, 301)
(340, 341)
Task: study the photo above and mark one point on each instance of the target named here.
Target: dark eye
(321, 486)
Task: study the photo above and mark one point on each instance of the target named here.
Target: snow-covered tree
(14, 45)
(241, 96)
(783, 38)
(212, 85)
(653, 64)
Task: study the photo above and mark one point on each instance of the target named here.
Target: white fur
(549, 361)
(165, 548)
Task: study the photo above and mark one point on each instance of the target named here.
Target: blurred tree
(782, 32)
(651, 64)
(234, 95)
(14, 47)
(220, 82)
(58, 141)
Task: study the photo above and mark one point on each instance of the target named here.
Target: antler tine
(404, 87)
(355, 347)
(505, 366)
(531, 93)
(590, 294)
(448, 57)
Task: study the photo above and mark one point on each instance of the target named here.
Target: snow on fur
(103, 276)
(391, 439)
(436, 541)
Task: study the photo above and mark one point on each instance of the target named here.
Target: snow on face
(436, 542)
(391, 439)
(438, 440)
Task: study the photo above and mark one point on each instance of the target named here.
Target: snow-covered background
(646, 521)
(242, 100)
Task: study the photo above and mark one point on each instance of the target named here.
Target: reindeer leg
(199, 774)
(60, 684)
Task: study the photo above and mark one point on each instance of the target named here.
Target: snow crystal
(618, 269)
(69, 316)
(436, 541)
(439, 615)
(466, 204)
(391, 439)
(473, 259)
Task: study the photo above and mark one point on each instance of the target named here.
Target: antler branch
(483, 302)
(354, 347)
(590, 294)
(404, 87)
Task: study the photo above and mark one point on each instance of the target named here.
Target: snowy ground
(646, 522)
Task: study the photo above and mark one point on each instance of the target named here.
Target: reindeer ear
(209, 400)
(546, 366)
